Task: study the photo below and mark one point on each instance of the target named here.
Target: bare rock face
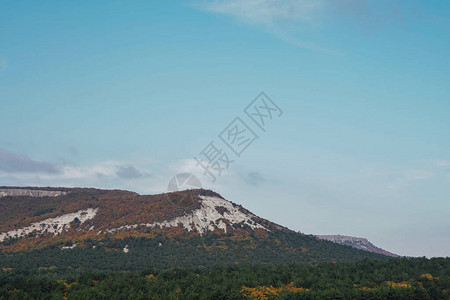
(215, 213)
(356, 242)
(30, 193)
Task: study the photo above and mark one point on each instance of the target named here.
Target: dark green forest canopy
(399, 278)
(197, 251)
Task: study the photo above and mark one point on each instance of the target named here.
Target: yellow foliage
(428, 276)
(47, 268)
(259, 293)
(402, 284)
(389, 284)
(151, 277)
(263, 292)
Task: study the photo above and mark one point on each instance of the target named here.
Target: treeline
(400, 278)
(178, 251)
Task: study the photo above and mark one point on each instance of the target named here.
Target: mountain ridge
(186, 228)
(356, 242)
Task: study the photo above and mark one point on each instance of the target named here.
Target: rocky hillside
(188, 228)
(356, 242)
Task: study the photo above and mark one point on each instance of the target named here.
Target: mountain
(356, 242)
(122, 230)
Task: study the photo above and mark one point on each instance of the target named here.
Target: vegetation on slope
(164, 251)
(392, 279)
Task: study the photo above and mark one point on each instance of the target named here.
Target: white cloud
(396, 177)
(442, 163)
(267, 12)
(292, 20)
(140, 176)
(409, 176)
(105, 174)
(277, 17)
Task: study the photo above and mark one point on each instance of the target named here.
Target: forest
(163, 252)
(398, 278)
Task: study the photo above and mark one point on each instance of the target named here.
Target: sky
(115, 94)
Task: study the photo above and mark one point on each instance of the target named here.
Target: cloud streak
(129, 172)
(267, 12)
(292, 20)
(442, 163)
(254, 178)
(273, 16)
(17, 169)
(410, 176)
(18, 163)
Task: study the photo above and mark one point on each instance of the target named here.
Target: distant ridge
(356, 242)
(14, 192)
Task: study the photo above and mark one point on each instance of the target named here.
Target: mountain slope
(356, 242)
(124, 230)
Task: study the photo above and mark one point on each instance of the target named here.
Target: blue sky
(125, 94)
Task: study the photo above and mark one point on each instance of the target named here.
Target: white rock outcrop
(208, 218)
(30, 193)
(52, 225)
(212, 214)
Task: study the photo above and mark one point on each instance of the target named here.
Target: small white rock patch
(69, 247)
